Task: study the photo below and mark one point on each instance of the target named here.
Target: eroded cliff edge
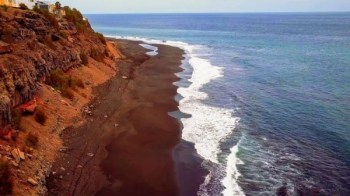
(50, 66)
(35, 43)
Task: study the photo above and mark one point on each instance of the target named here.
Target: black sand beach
(126, 147)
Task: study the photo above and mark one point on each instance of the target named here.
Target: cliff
(35, 43)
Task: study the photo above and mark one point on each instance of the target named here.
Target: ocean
(267, 96)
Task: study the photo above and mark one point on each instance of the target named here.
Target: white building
(29, 3)
(15, 3)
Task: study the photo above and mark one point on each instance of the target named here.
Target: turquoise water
(270, 96)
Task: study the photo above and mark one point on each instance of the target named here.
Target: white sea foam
(154, 49)
(208, 125)
(232, 174)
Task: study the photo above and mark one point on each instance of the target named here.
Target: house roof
(43, 2)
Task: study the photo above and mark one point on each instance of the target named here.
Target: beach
(126, 145)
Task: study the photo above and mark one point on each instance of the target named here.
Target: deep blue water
(286, 77)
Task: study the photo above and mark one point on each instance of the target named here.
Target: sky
(204, 6)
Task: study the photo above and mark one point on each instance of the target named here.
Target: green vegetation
(64, 83)
(63, 34)
(101, 38)
(58, 5)
(32, 140)
(50, 17)
(74, 16)
(23, 6)
(40, 117)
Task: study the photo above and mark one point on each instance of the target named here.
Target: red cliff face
(32, 45)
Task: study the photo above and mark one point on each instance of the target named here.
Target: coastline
(126, 146)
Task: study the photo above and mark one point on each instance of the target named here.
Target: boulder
(32, 181)
(21, 155)
(16, 155)
(29, 107)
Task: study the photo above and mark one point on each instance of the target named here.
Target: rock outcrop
(32, 45)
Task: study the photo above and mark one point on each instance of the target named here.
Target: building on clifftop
(43, 5)
(15, 3)
(29, 3)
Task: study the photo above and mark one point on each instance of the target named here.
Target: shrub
(84, 58)
(40, 117)
(36, 9)
(72, 15)
(50, 17)
(74, 82)
(63, 34)
(32, 140)
(23, 6)
(68, 93)
(101, 38)
(6, 182)
(80, 27)
(58, 80)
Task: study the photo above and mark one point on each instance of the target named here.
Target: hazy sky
(188, 6)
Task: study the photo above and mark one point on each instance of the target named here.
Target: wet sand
(126, 146)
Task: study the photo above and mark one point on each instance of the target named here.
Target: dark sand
(126, 147)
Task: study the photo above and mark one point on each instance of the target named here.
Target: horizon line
(274, 12)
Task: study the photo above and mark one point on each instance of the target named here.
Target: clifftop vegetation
(34, 43)
(37, 49)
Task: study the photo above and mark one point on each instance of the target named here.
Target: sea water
(268, 96)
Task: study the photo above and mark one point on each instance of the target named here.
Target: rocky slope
(32, 45)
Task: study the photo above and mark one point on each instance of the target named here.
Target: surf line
(154, 49)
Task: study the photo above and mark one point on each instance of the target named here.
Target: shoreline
(129, 135)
